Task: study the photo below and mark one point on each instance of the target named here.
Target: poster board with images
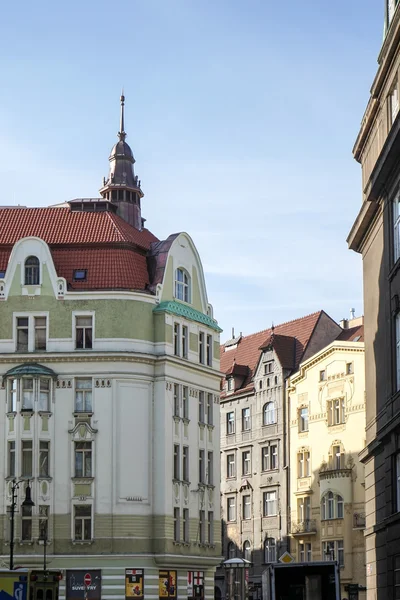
(76, 589)
(134, 584)
(167, 584)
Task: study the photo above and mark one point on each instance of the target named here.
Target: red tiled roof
(63, 226)
(349, 335)
(112, 251)
(248, 350)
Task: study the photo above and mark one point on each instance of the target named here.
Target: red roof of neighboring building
(353, 334)
(248, 349)
(112, 251)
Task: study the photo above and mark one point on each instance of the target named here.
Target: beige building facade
(326, 424)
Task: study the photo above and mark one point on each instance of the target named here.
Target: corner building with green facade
(109, 388)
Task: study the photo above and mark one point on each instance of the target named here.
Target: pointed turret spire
(121, 133)
(122, 186)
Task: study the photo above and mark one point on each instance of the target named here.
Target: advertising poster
(195, 585)
(83, 584)
(134, 586)
(167, 584)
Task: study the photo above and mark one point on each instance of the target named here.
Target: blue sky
(242, 118)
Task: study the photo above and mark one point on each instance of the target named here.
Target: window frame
(303, 421)
(269, 413)
(246, 507)
(202, 466)
(83, 315)
(83, 520)
(246, 462)
(230, 422)
(176, 463)
(33, 271)
(185, 463)
(26, 523)
(87, 451)
(230, 466)
(331, 502)
(26, 458)
(209, 350)
(269, 457)
(303, 464)
(182, 286)
(177, 524)
(231, 509)
(246, 419)
(11, 459)
(269, 501)
(269, 550)
(44, 458)
(85, 391)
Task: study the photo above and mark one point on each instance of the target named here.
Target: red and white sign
(87, 580)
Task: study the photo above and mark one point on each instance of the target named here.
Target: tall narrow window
(201, 347)
(176, 400)
(209, 356)
(185, 463)
(44, 467)
(40, 333)
(11, 459)
(269, 504)
(26, 529)
(246, 419)
(83, 395)
(44, 522)
(247, 550)
(210, 420)
(202, 478)
(230, 463)
(44, 395)
(32, 271)
(83, 459)
(303, 419)
(83, 522)
(246, 468)
(210, 468)
(27, 393)
(337, 458)
(22, 334)
(210, 527)
(201, 407)
(177, 339)
(84, 332)
(12, 395)
(202, 527)
(186, 525)
(231, 509)
(182, 285)
(246, 507)
(269, 413)
(185, 341)
(303, 462)
(177, 525)
(230, 423)
(305, 554)
(393, 103)
(270, 550)
(185, 402)
(27, 463)
(176, 462)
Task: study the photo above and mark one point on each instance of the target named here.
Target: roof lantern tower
(122, 187)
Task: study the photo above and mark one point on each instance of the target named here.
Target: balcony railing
(301, 527)
(359, 521)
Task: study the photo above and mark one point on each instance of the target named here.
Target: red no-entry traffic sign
(87, 579)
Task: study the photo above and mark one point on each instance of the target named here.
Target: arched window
(270, 550)
(32, 271)
(182, 285)
(247, 551)
(269, 413)
(332, 507)
(231, 550)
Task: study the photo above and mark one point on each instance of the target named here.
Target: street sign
(286, 558)
(87, 580)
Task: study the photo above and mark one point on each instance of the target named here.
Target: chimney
(344, 324)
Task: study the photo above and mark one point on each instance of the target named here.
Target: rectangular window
(201, 407)
(27, 464)
(230, 423)
(202, 478)
(269, 504)
(210, 467)
(185, 341)
(210, 420)
(230, 384)
(303, 462)
(84, 332)
(230, 462)
(185, 402)
(337, 458)
(269, 457)
(396, 228)
(185, 463)
(398, 482)
(268, 367)
(186, 525)
(83, 522)
(44, 459)
(397, 577)
(393, 103)
(11, 459)
(83, 459)
(246, 419)
(202, 527)
(22, 334)
(44, 395)
(27, 393)
(26, 529)
(305, 554)
(246, 467)
(176, 400)
(349, 368)
(177, 525)
(333, 550)
(210, 527)
(231, 509)
(83, 395)
(336, 411)
(40, 333)
(246, 507)
(209, 350)
(177, 340)
(44, 522)
(201, 347)
(176, 462)
(12, 395)
(303, 419)
(322, 375)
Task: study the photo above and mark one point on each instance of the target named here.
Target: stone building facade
(376, 235)
(110, 382)
(326, 420)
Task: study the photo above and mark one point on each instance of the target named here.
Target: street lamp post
(27, 502)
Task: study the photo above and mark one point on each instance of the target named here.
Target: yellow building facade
(326, 423)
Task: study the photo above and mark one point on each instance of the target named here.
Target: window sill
(25, 542)
(210, 426)
(83, 413)
(82, 478)
(45, 413)
(12, 413)
(185, 420)
(82, 542)
(270, 471)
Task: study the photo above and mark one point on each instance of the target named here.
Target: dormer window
(32, 271)
(231, 384)
(182, 285)
(80, 274)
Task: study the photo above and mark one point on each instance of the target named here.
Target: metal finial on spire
(121, 133)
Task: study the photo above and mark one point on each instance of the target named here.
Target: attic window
(231, 384)
(2, 274)
(80, 274)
